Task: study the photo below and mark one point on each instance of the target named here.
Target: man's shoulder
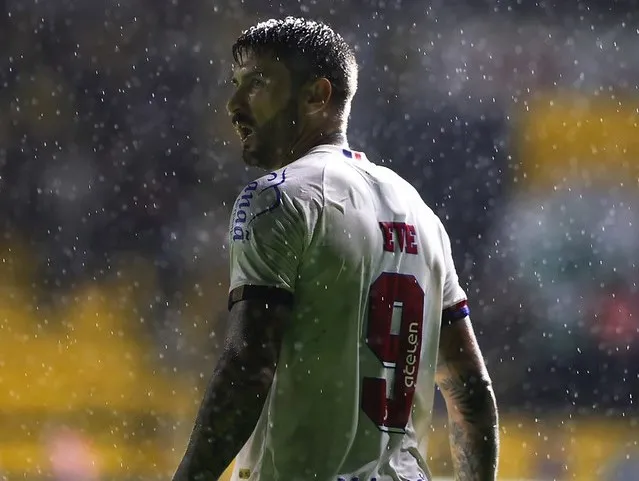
(258, 198)
(292, 181)
(288, 191)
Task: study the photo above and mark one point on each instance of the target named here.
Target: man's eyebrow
(251, 73)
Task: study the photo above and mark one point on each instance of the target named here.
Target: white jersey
(370, 271)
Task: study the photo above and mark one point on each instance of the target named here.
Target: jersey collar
(341, 149)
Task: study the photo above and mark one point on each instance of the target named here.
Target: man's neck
(337, 137)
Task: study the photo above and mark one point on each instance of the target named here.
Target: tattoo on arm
(236, 393)
(472, 427)
(472, 411)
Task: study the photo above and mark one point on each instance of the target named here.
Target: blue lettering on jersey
(242, 216)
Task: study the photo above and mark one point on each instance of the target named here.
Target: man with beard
(343, 290)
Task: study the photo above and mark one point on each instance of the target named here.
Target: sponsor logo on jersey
(243, 214)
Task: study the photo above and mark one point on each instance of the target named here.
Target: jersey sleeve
(268, 232)
(455, 305)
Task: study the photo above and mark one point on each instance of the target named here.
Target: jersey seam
(320, 216)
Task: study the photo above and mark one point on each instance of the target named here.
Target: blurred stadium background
(517, 123)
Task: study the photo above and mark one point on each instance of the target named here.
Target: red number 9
(399, 352)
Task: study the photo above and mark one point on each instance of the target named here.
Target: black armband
(268, 294)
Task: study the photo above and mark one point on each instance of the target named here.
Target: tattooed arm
(472, 411)
(237, 391)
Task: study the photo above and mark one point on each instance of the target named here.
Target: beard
(269, 146)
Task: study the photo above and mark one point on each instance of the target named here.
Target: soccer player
(343, 292)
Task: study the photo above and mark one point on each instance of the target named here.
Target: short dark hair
(309, 49)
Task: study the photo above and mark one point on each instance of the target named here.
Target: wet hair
(309, 49)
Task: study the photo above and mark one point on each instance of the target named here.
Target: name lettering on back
(399, 237)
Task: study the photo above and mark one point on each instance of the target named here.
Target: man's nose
(235, 102)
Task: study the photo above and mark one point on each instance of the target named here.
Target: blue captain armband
(455, 313)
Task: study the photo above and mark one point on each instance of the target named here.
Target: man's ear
(317, 96)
